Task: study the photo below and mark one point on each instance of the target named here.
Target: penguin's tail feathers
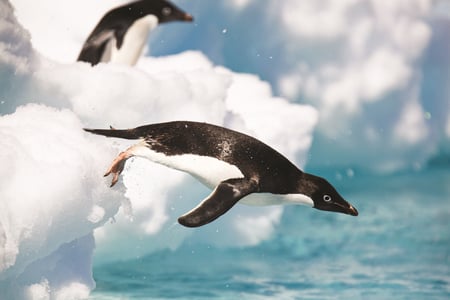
(129, 134)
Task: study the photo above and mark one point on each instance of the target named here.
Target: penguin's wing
(95, 46)
(224, 197)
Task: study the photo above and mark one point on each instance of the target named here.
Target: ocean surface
(397, 248)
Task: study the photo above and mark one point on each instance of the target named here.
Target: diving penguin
(122, 33)
(237, 167)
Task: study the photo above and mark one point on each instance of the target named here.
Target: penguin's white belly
(212, 171)
(263, 199)
(133, 42)
(208, 170)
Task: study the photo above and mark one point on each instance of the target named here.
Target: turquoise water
(397, 248)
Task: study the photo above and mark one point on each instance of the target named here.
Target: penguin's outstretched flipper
(222, 199)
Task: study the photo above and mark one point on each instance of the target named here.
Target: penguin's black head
(167, 12)
(325, 196)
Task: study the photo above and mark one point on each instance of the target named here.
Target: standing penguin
(237, 167)
(122, 33)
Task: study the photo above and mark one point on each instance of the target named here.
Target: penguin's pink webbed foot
(117, 166)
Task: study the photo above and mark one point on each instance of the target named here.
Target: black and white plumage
(237, 167)
(122, 33)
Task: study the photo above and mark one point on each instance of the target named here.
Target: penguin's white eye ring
(166, 11)
(326, 198)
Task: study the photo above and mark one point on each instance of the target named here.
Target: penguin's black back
(254, 158)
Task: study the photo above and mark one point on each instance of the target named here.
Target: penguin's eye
(166, 11)
(326, 198)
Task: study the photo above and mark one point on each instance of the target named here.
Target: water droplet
(350, 173)
(224, 30)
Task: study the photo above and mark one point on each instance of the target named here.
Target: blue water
(397, 248)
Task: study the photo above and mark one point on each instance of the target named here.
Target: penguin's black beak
(342, 207)
(352, 211)
(346, 208)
